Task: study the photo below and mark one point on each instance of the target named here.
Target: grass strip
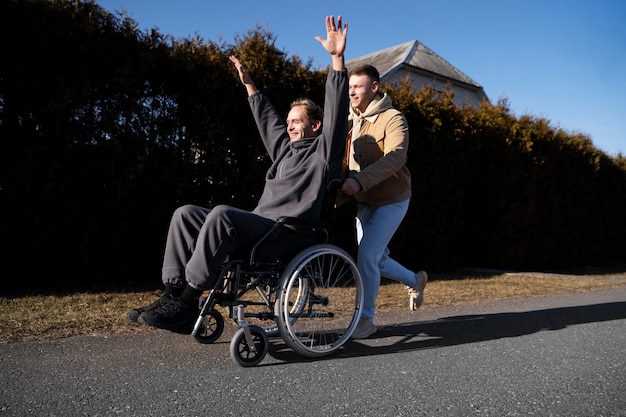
(45, 317)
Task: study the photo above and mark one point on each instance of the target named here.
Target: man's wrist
(338, 62)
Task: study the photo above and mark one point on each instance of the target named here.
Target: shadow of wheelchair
(458, 330)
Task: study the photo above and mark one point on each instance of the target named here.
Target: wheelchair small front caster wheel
(211, 328)
(241, 352)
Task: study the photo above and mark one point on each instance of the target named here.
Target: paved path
(549, 356)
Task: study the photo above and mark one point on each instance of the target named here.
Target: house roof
(414, 54)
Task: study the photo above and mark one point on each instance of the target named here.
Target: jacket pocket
(368, 150)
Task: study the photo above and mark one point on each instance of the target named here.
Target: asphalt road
(549, 356)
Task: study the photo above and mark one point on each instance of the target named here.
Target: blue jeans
(374, 229)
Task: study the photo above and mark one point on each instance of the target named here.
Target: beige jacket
(378, 153)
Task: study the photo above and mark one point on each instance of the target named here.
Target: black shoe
(134, 314)
(171, 315)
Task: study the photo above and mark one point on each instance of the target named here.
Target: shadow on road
(457, 330)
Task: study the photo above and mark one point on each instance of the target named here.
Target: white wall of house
(462, 95)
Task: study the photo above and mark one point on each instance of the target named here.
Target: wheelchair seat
(285, 239)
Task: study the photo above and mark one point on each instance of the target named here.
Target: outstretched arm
(335, 42)
(245, 78)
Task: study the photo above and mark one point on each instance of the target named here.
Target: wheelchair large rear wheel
(319, 300)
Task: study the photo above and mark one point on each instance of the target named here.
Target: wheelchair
(292, 284)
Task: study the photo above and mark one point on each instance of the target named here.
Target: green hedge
(105, 130)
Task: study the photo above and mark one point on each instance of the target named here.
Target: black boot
(174, 313)
(170, 291)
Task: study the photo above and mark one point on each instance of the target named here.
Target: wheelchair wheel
(211, 328)
(240, 350)
(320, 300)
(297, 303)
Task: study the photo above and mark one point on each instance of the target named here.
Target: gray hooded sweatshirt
(296, 181)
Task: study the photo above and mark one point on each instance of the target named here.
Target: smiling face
(299, 125)
(362, 90)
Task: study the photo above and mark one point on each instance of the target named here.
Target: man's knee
(185, 211)
(222, 210)
(221, 214)
(370, 251)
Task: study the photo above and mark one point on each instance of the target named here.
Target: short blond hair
(313, 111)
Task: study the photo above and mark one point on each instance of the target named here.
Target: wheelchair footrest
(262, 316)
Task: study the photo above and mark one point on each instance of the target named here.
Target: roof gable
(414, 54)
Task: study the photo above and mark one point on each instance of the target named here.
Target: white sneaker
(416, 294)
(364, 329)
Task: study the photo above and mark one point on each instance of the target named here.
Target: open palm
(335, 42)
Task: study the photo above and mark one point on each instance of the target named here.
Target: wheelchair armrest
(295, 222)
(304, 225)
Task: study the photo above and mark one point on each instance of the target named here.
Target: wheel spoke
(320, 300)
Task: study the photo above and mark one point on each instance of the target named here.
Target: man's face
(298, 124)
(362, 91)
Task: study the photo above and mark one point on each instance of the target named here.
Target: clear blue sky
(564, 60)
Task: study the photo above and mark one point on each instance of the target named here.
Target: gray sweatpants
(200, 240)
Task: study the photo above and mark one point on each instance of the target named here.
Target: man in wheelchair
(306, 152)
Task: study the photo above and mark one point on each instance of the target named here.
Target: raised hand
(336, 34)
(245, 78)
(243, 74)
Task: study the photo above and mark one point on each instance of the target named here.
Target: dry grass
(475, 290)
(30, 318)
